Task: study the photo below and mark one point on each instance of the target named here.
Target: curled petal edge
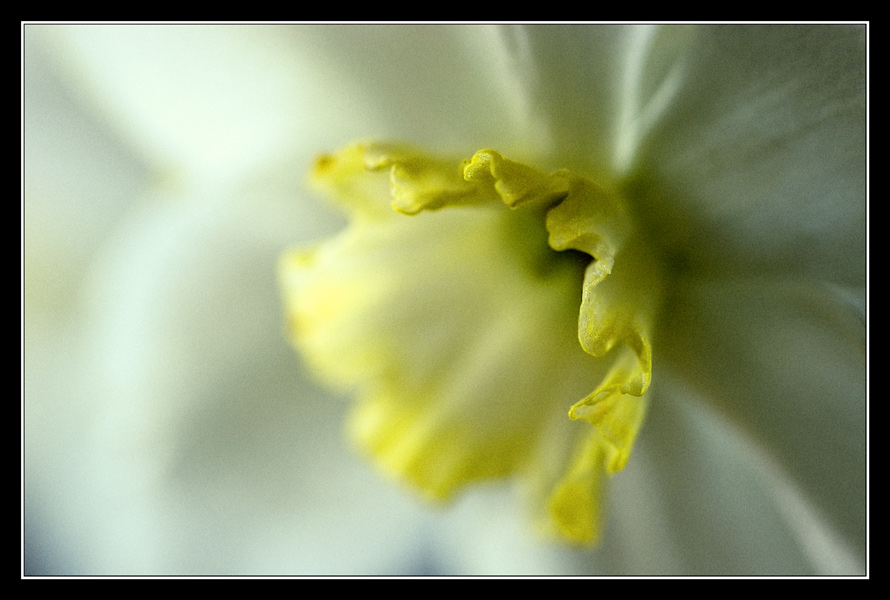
(620, 292)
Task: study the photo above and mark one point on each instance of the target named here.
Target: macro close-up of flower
(445, 300)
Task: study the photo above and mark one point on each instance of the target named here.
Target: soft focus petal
(439, 86)
(168, 433)
(201, 445)
(206, 104)
(719, 510)
(785, 363)
(759, 164)
(78, 177)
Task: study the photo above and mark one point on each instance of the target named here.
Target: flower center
(456, 327)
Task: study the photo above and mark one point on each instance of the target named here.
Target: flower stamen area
(466, 330)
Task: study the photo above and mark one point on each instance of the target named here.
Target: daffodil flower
(168, 429)
(694, 228)
(464, 350)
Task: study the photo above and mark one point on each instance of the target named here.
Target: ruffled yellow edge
(621, 288)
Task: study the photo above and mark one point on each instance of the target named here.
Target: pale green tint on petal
(785, 362)
(760, 162)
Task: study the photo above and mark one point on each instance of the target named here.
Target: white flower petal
(785, 363)
(169, 433)
(438, 86)
(567, 78)
(591, 93)
(207, 451)
(79, 178)
(209, 102)
(717, 511)
(760, 162)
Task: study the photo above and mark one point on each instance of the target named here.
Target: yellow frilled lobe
(450, 307)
